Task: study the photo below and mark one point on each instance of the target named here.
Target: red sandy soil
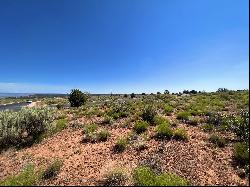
(87, 163)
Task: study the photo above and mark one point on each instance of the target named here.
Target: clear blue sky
(123, 46)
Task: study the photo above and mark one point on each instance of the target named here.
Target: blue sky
(123, 46)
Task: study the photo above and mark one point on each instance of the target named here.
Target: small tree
(132, 95)
(166, 92)
(193, 92)
(158, 93)
(77, 98)
(222, 90)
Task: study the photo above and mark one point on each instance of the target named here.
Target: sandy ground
(33, 104)
(86, 163)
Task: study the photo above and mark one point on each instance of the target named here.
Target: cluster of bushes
(143, 176)
(119, 111)
(164, 131)
(24, 127)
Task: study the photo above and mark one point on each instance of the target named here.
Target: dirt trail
(85, 164)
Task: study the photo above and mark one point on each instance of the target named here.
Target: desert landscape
(191, 138)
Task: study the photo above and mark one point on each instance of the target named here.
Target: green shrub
(103, 135)
(52, 170)
(117, 177)
(180, 134)
(24, 127)
(159, 120)
(144, 176)
(59, 125)
(184, 116)
(140, 126)
(163, 131)
(90, 128)
(77, 98)
(89, 133)
(168, 109)
(240, 126)
(148, 114)
(27, 177)
(107, 120)
(217, 140)
(120, 145)
(118, 111)
(241, 153)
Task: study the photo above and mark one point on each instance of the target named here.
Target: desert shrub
(27, 177)
(240, 126)
(103, 135)
(193, 121)
(140, 143)
(159, 120)
(52, 170)
(183, 116)
(90, 128)
(163, 131)
(144, 176)
(77, 98)
(132, 95)
(217, 140)
(148, 114)
(120, 145)
(119, 111)
(24, 127)
(59, 125)
(107, 120)
(140, 126)
(241, 153)
(180, 134)
(214, 119)
(117, 177)
(168, 109)
(207, 127)
(89, 133)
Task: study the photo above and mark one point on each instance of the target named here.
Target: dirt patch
(86, 164)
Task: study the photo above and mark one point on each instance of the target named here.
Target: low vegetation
(24, 127)
(217, 140)
(180, 134)
(27, 177)
(153, 136)
(116, 177)
(120, 145)
(52, 170)
(144, 176)
(140, 126)
(163, 131)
